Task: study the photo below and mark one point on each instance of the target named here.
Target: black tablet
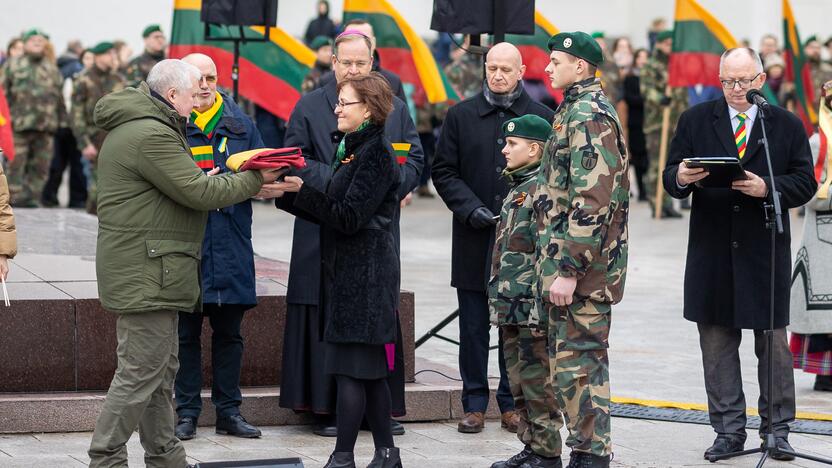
(722, 170)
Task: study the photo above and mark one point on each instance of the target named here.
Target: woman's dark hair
(374, 91)
(637, 53)
(12, 42)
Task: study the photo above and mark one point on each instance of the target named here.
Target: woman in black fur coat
(360, 269)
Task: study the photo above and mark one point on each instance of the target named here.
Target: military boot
(539, 461)
(588, 460)
(387, 457)
(515, 461)
(341, 460)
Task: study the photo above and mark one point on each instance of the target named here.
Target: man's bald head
(503, 68)
(207, 95)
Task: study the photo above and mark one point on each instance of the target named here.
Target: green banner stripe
(694, 36)
(388, 34)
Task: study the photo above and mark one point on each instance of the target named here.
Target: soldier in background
(94, 83)
(511, 300)
(32, 84)
(322, 45)
(464, 72)
(820, 71)
(581, 209)
(154, 52)
(654, 88)
(610, 75)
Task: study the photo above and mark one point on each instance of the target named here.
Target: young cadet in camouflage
(511, 299)
(581, 209)
(32, 83)
(154, 52)
(92, 84)
(653, 80)
(464, 73)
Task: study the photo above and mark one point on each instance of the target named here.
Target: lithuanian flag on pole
(535, 51)
(699, 40)
(797, 71)
(271, 72)
(402, 51)
(6, 135)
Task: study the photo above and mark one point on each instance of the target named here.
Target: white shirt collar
(751, 114)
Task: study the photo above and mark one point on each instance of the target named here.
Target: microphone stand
(769, 445)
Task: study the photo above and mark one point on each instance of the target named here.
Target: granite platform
(58, 338)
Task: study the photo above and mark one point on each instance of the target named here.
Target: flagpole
(662, 156)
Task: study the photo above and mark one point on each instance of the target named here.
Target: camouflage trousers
(28, 172)
(527, 364)
(578, 362)
(653, 170)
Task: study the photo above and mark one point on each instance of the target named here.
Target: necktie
(740, 135)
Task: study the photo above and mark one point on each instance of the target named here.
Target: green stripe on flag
(386, 30)
(694, 36)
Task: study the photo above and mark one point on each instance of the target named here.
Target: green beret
(664, 35)
(597, 35)
(34, 32)
(319, 42)
(579, 44)
(528, 126)
(150, 30)
(101, 48)
(812, 38)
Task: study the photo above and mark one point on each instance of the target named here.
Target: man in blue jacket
(218, 128)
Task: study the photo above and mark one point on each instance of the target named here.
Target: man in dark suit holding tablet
(728, 268)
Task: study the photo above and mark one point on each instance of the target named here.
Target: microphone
(754, 96)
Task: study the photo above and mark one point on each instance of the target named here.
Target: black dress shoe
(236, 426)
(588, 460)
(537, 461)
(515, 461)
(783, 444)
(723, 445)
(185, 428)
(823, 383)
(340, 460)
(396, 428)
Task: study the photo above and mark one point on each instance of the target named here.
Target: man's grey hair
(748, 51)
(352, 36)
(172, 74)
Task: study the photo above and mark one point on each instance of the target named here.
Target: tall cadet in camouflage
(511, 300)
(581, 208)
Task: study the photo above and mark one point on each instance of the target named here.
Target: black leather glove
(665, 101)
(481, 218)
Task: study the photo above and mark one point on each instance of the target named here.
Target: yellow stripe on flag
(690, 10)
(200, 150)
(292, 46)
(187, 4)
(401, 146)
(547, 26)
(422, 57)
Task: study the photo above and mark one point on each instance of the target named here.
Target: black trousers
(474, 341)
(226, 360)
(723, 381)
(66, 154)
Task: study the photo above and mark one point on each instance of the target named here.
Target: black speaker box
(477, 16)
(240, 12)
(272, 463)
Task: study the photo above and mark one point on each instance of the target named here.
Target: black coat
(359, 257)
(635, 121)
(467, 175)
(728, 263)
(313, 127)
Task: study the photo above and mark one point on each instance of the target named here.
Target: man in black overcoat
(467, 175)
(727, 284)
(313, 127)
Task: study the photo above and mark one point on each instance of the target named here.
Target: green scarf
(207, 121)
(341, 152)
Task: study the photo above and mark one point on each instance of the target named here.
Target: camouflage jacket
(611, 80)
(33, 90)
(311, 80)
(511, 288)
(582, 199)
(465, 76)
(139, 67)
(653, 81)
(90, 86)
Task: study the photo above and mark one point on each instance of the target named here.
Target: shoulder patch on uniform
(589, 160)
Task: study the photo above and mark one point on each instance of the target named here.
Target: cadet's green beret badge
(579, 44)
(529, 126)
(101, 48)
(150, 30)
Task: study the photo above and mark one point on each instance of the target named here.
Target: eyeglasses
(744, 83)
(210, 79)
(350, 63)
(343, 104)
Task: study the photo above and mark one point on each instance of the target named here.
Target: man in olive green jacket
(152, 211)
